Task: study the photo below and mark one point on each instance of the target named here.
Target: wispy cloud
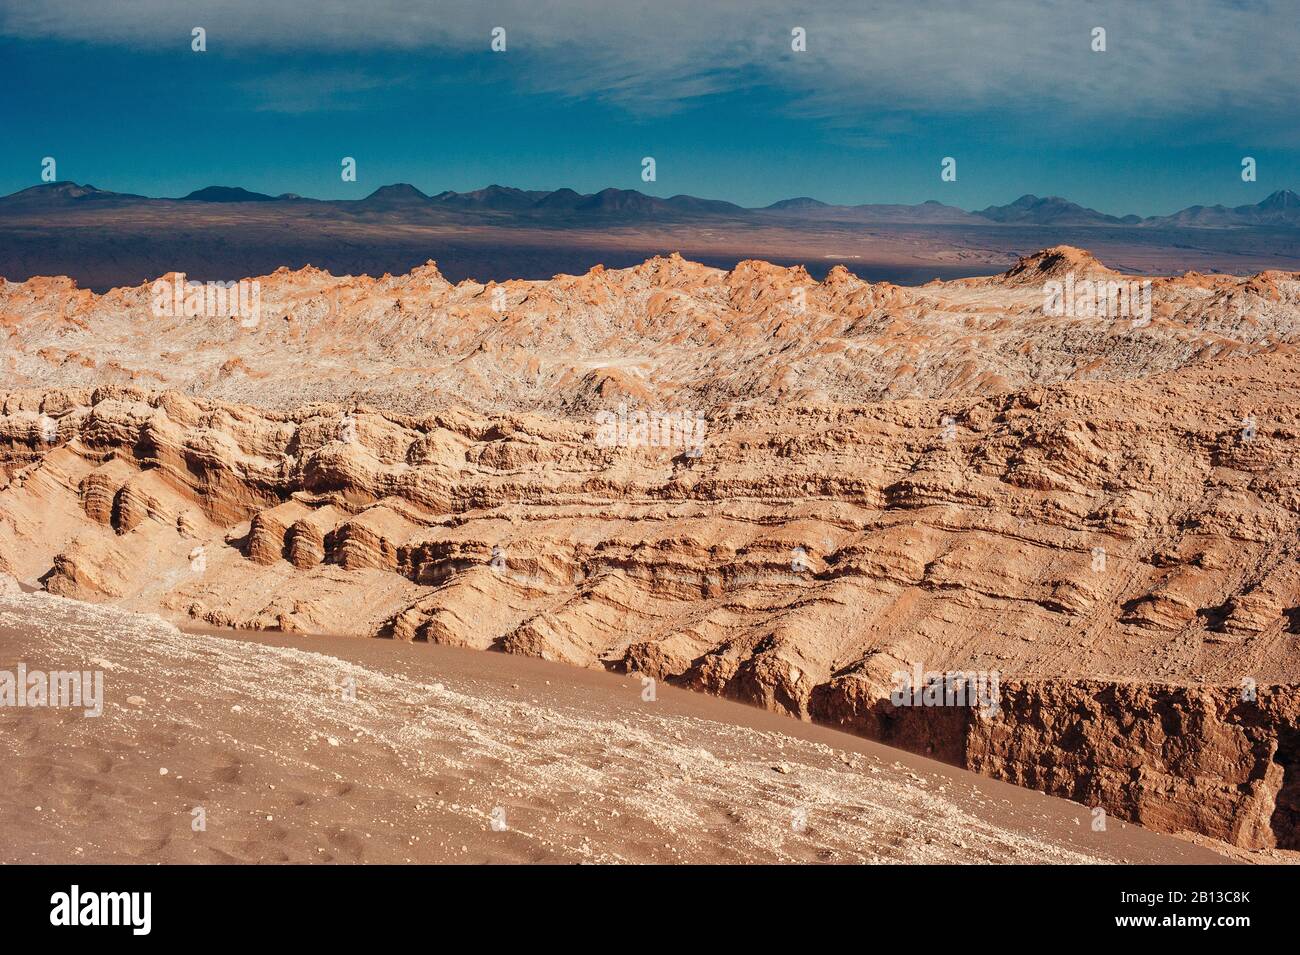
(308, 91)
(1163, 59)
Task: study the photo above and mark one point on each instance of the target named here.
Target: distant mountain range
(1279, 210)
(102, 239)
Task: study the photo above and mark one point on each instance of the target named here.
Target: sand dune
(575, 766)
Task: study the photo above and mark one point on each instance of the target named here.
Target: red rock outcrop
(1205, 759)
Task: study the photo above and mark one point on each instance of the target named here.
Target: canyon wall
(1203, 759)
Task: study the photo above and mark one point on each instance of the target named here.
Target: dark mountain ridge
(1280, 209)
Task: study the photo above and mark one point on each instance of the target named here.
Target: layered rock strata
(1117, 536)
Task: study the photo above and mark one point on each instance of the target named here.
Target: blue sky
(413, 91)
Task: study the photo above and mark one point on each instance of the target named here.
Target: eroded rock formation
(1107, 514)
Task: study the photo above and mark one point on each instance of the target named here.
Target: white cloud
(1164, 59)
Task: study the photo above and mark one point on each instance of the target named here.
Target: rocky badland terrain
(1104, 510)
